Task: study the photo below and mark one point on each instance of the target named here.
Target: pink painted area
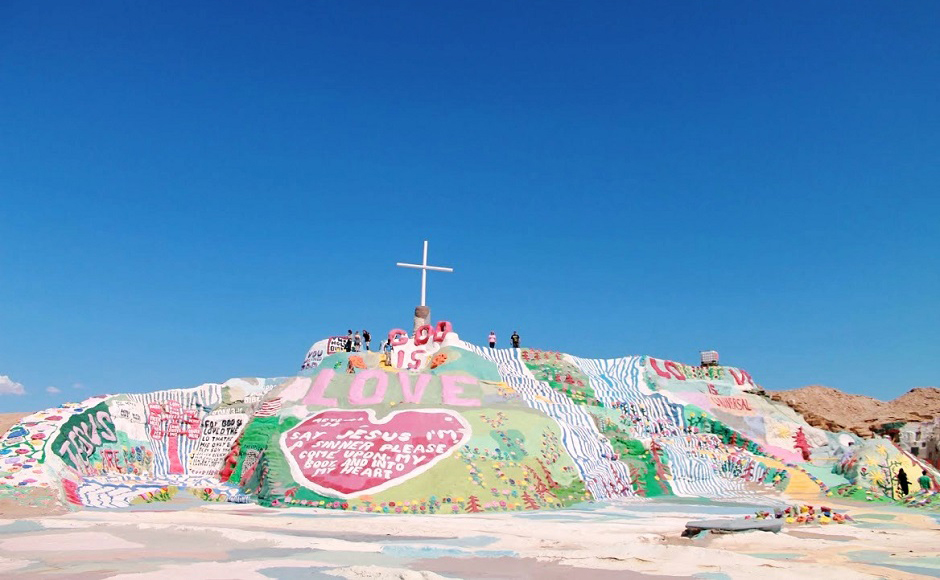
(371, 387)
(315, 396)
(358, 387)
(784, 454)
(451, 390)
(409, 394)
(296, 389)
(173, 454)
(350, 452)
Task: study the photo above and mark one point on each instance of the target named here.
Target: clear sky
(191, 193)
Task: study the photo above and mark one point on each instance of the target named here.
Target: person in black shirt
(903, 483)
(347, 346)
(366, 338)
(515, 339)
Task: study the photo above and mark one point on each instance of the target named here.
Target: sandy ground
(7, 420)
(628, 540)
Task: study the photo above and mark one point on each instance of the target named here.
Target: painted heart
(348, 453)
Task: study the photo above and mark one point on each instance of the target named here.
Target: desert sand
(635, 539)
(7, 420)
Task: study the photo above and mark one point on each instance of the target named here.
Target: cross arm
(420, 267)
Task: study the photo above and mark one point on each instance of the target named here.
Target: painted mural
(437, 425)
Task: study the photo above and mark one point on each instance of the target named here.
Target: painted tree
(552, 484)
(636, 478)
(658, 471)
(800, 442)
(473, 505)
(529, 501)
(884, 476)
(533, 478)
(749, 470)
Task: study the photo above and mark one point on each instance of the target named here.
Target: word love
(372, 386)
(668, 369)
(350, 452)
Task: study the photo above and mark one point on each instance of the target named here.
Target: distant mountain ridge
(831, 409)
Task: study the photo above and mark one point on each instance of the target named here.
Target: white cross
(423, 266)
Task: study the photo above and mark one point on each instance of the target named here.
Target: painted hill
(442, 426)
(831, 409)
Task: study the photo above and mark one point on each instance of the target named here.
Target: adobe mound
(465, 429)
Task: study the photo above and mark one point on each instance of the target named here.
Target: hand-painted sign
(322, 349)
(82, 435)
(219, 431)
(348, 453)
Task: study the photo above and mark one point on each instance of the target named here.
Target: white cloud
(53, 390)
(78, 386)
(10, 387)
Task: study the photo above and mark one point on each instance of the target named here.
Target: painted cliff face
(468, 429)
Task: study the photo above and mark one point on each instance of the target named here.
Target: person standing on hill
(902, 481)
(357, 342)
(492, 339)
(366, 338)
(347, 346)
(924, 481)
(515, 339)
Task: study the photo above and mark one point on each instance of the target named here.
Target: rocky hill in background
(833, 410)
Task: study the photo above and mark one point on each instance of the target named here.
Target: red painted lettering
(415, 361)
(397, 337)
(423, 334)
(443, 329)
(658, 370)
(740, 379)
(674, 369)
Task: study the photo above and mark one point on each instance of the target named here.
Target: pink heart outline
(300, 477)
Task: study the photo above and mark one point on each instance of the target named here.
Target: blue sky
(192, 193)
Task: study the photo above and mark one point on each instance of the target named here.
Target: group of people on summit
(354, 341)
(514, 339)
